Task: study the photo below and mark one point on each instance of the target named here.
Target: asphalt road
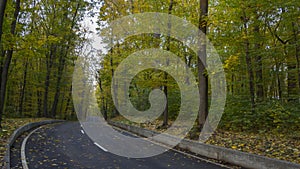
(65, 145)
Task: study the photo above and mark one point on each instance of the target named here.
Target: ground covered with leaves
(282, 146)
(8, 127)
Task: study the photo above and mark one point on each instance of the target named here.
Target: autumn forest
(257, 41)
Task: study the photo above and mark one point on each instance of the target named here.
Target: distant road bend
(66, 145)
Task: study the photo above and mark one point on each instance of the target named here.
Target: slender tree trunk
(103, 109)
(114, 84)
(232, 83)
(202, 75)
(249, 65)
(58, 83)
(2, 13)
(259, 71)
(188, 61)
(61, 105)
(23, 89)
(4, 75)
(115, 111)
(68, 103)
(278, 79)
(45, 101)
(39, 93)
(49, 63)
(251, 77)
(292, 79)
(166, 111)
(39, 103)
(297, 49)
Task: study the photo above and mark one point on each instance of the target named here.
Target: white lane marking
(82, 131)
(100, 147)
(23, 148)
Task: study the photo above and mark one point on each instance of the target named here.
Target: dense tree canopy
(257, 42)
(39, 44)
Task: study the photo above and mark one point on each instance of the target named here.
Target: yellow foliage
(232, 62)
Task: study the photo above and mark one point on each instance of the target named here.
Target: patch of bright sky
(94, 48)
(91, 23)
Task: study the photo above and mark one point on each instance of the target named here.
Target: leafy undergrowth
(278, 146)
(8, 127)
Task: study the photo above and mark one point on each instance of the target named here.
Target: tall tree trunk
(232, 84)
(58, 83)
(7, 61)
(61, 105)
(259, 70)
(249, 65)
(115, 111)
(277, 64)
(39, 103)
(68, 103)
(114, 84)
(202, 76)
(188, 61)
(103, 109)
(39, 93)
(23, 89)
(297, 49)
(292, 78)
(49, 63)
(2, 13)
(166, 111)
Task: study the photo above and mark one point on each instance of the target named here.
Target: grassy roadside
(9, 126)
(278, 146)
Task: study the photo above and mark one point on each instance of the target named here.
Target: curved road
(65, 145)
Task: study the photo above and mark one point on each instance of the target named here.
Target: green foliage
(269, 28)
(273, 116)
(270, 116)
(45, 44)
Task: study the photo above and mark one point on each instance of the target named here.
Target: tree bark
(292, 79)
(166, 111)
(2, 13)
(259, 70)
(49, 63)
(23, 89)
(297, 49)
(103, 109)
(279, 88)
(202, 75)
(61, 66)
(68, 103)
(249, 65)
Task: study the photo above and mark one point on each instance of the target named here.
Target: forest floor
(8, 127)
(274, 145)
